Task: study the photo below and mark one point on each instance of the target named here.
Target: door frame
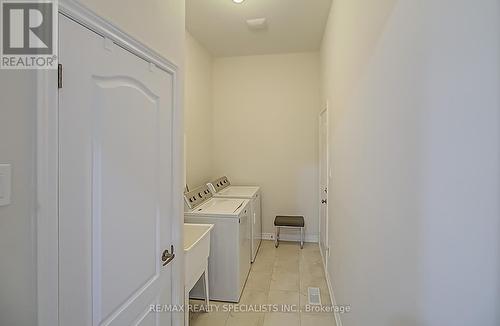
(47, 170)
(326, 254)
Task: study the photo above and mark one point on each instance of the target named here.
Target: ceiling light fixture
(257, 24)
(238, 1)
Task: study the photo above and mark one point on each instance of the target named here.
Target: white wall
(198, 113)
(17, 241)
(266, 130)
(461, 162)
(157, 23)
(413, 88)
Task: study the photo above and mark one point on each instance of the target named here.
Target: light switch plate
(5, 184)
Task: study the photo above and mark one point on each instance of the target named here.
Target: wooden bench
(289, 222)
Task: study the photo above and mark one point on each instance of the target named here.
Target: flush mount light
(238, 1)
(257, 24)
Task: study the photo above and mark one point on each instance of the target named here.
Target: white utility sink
(196, 252)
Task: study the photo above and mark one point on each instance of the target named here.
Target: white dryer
(222, 188)
(228, 264)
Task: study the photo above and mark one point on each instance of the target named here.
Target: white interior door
(323, 184)
(115, 183)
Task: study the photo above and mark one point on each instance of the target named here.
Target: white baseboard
(338, 321)
(288, 236)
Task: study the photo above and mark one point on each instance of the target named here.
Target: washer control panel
(198, 196)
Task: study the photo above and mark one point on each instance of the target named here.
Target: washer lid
(238, 192)
(223, 206)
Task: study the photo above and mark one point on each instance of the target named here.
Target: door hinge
(59, 76)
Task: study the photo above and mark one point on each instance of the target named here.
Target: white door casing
(115, 183)
(323, 185)
(47, 169)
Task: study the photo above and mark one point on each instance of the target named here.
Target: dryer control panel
(219, 184)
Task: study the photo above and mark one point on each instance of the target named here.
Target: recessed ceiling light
(238, 1)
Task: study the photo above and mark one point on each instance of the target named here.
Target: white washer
(228, 264)
(222, 188)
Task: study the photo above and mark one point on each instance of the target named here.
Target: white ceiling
(292, 25)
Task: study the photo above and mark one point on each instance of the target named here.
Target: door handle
(167, 257)
(323, 201)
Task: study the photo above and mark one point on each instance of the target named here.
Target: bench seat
(289, 222)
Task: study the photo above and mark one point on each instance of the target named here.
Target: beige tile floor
(278, 276)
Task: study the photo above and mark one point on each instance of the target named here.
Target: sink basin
(196, 251)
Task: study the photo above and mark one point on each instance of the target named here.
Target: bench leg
(277, 237)
(301, 238)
